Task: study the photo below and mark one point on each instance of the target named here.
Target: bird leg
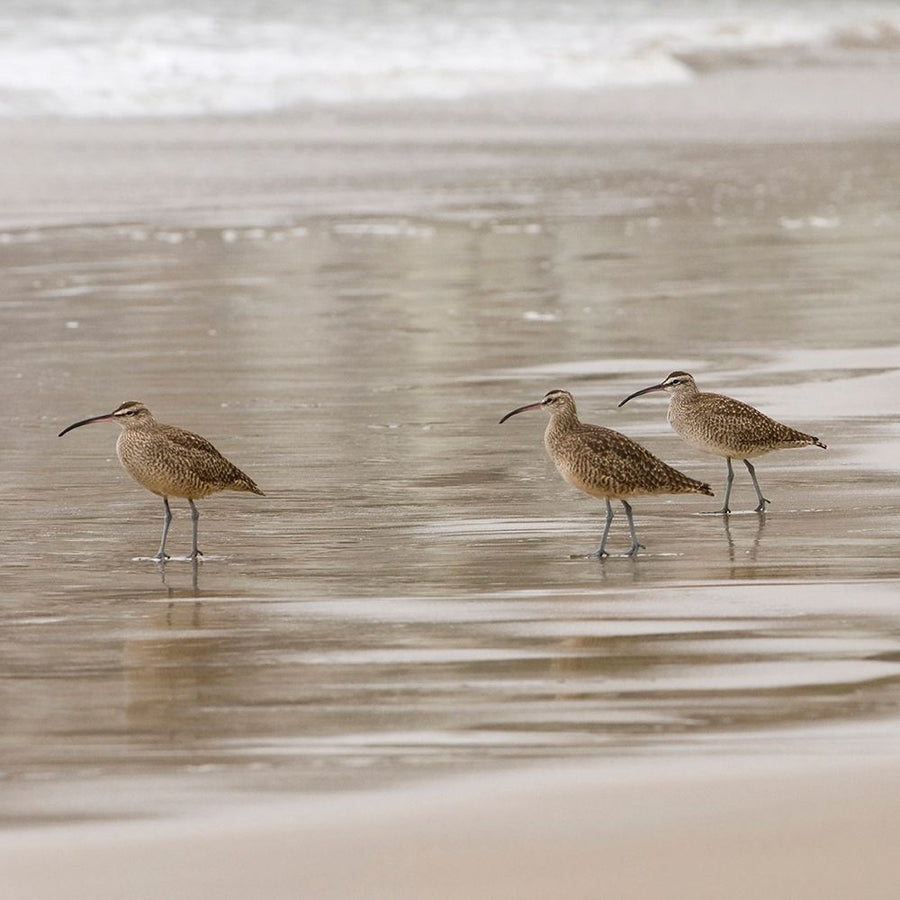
(725, 508)
(761, 506)
(195, 518)
(167, 521)
(600, 552)
(635, 546)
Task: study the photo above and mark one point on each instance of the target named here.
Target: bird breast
(591, 461)
(164, 467)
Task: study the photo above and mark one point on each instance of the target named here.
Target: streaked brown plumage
(170, 462)
(725, 427)
(604, 463)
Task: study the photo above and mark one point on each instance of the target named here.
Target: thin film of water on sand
(405, 601)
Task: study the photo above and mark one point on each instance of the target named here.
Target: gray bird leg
(725, 508)
(600, 552)
(761, 507)
(167, 521)
(195, 518)
(635, 546)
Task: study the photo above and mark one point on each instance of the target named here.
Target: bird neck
(562, 420)
(135, 429)
(686, 394)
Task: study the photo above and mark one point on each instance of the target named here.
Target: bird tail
(679, 483)
(701, 487)
(245, 483)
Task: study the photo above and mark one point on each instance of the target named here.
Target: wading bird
(725, 427)
(605, 464)
(170, 462)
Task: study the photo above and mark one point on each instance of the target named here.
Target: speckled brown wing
(173, 462)
(208, 463)
(723, 422)
(605, 463)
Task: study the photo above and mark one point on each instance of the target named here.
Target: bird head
(673, 383)
(129, 414)
(556, 402)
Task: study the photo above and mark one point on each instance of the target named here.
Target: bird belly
(593, 485)
(736, 446)
(717, 436)
(707, 444)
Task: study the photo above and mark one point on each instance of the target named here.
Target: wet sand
(802, 828)
(399, 640)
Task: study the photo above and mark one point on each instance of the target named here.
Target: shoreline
(693, 828)
(267, 169)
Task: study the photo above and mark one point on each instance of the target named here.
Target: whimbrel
(725, 427)
(605, 464)
(170, 462)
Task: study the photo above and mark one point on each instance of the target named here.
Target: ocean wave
(157, 58)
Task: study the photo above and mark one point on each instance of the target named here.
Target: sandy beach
(803, 828)
(391, 677)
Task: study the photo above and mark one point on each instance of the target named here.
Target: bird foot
(762, 505)
(161, 557)
(597, 554)
(634, 549)
(195, 554)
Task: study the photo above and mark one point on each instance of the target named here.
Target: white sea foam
(195, 57)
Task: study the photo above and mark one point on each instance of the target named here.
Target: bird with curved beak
(725, 427)
(170, 462)
(604, 463)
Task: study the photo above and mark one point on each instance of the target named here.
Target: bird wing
(189, 441)
(744, 424)
(200, 456)
(621, 466)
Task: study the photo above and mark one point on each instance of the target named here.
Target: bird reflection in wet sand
(605, 464)
(170, 462)
(751, 553)
(172, 590)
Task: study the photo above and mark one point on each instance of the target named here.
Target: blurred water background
(116, 58)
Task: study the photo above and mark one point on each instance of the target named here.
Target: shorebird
(725, 427)
(170, 462)
(605, 464)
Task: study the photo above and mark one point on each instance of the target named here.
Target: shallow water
(410, 598)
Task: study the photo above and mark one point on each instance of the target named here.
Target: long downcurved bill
(646, 390)
(515, 412)
(102, 418)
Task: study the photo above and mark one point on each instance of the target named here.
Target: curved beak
(102, 418)
(521, 409)
(646, 390)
